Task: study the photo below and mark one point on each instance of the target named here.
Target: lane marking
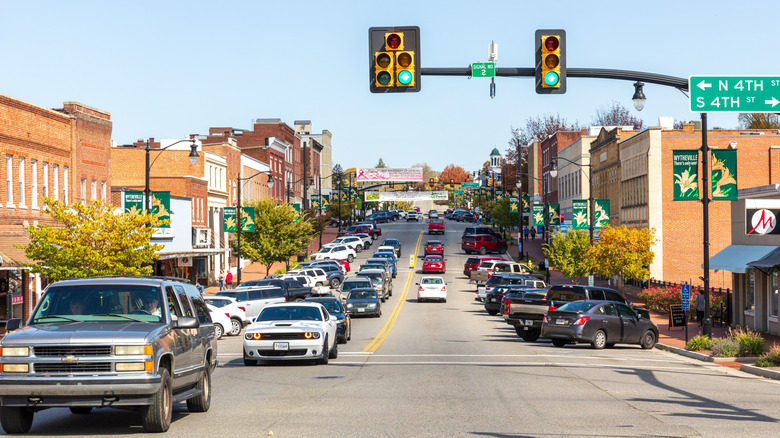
(377, 341)
(536, 364)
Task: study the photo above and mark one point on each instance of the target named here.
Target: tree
(277, 235)
(758, 121)
(616, 115)
(624, 252)
(509, 166)
(541, 127)
(335, 175)
(93, 241)
(501, 214)
(428, 173)
(380, 164)
(571, 254)
(452, 173)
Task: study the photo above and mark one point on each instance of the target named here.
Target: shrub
(771, 359)
(699, 343)
(726, 348)
(751, 343)
(280, 271)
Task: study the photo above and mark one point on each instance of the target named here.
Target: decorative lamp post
(239, 224)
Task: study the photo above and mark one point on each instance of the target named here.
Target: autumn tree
(570, 253)
(616, 114)
(380, 164)
(509, 166)
(92, 241)
(277, 237)
(452, 173)
(428, 173)
(541, 127)
(624, 252)
(758, 121)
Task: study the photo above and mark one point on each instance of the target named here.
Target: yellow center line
(377, 341)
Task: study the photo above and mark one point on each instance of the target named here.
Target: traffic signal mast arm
(596, 73)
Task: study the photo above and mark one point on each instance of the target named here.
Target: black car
(335, 308)
(560, 294)
(395, 243)
(600, 323)
(364, 301)
(495, 297)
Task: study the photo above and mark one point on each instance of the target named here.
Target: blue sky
(166, 69)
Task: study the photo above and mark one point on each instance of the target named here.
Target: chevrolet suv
(129, 342)
(483, 243)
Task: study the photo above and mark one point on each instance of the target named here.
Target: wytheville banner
(538, 214)
(555, 213)
(526, 204)
(439, 195)
(161, 205)
(724, 174)
(379, 174)
(513, 205)
(685, 166)
(579, 211)
(229, 222)
(602, 213)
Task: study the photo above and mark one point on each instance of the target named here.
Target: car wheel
(558, 342)
(334, 352)
(350, 258)
(379, 314)
(157, 416)
(443, 300)
(218, 331)
(599, 340)
(16, 420)
(250, 362)
(527, 335)
(365, 246)
(335, 283)
(318, 284)
(358, 248)
(468, 252)
(420, 300)
(202, 402)
(349, 337)
(235, 327)
(648, 340)
(492, 312)
(81, 410)
(324, 359)
(483, 251)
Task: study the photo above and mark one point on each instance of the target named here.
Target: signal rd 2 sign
(483, 69)
(734, 94)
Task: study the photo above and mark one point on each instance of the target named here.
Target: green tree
(624, 252)
(570, 253)
(501, 214)
(277, 235)
(92, 241)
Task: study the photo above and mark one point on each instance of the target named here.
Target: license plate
(529, 322)
(281, 346)
(493, 300)
(361, 310)
(560, 321)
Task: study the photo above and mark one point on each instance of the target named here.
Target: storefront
(754, 258)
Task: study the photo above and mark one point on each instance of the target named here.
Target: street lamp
(520, 208)
(591, 207)
(639, 96)
(239, 224)
(193, 159)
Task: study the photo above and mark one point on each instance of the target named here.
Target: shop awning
(193, 253)
(768, 263)
(735, 258)
(12, 257)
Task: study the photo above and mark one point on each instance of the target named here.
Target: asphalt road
(449, 369)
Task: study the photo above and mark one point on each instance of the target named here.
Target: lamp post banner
(579, 210)
(555, 213)
(602, 213)
(538, 214)
(685, 166)
(724, 174)
(134, 202)
(325, 202)
(414, 174)
(526, 204)
(513, 205)
(161, 208)
(440, 195)
(314, 202)
(230, 222)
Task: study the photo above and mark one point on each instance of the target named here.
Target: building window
(773, 294)
(103, 190)
(83, 190)
(65, 184)
(9, 180)
(750, 294)
(34, 183)
(21, 182)
(93, 190)
(56, 171)
(45, 166)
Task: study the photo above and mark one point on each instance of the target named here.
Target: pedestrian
(700, 303)
(221, 280)
(525, 232)
(199, 287)
(229, 279)
(533, 233)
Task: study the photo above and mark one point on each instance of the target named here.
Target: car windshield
(349, 285)
(433, 259)
(100, 302)
(290, 313)
(577, 306)
(332, 305)
(362, 295)
(364, 267)
(431, 281)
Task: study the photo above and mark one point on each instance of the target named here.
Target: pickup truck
(294, 290)
(488, 267)
(525, 312)
(367, 229)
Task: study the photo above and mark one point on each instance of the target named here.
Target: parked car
(434, 263)
(413, 215)
(336, 308)
(366, 238)
(434, 247)
(335, 252)
(364, 302)
(395, 243)
(435, 226)
(390, 256)
(292, 331)
(504, 278)
(352, 241)
(381, 217)
(220, 319)
(236, 313)
(600, 323)
(431, 288)
(559, 294)
(357, 282)
(463, 216)
(387, 248)
(479, 230)
(387, 263)
(316, 274)
(473, 262)
(495, 297)
(380, 281)
(483, 243)
(255, 299)
(122, 349)
(293, 290)
(335, 276)
(401, 214)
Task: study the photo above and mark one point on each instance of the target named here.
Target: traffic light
(394, 63)
(550, 61)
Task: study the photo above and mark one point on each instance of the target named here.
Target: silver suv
(141, 342)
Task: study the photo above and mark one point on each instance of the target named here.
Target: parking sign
(686, 296)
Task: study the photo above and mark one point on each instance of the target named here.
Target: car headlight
(311, 335)
(135, 350)
(254, 336)
(349, 305)
(15, 351)
(372, 306)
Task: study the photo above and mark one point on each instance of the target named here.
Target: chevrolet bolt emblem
(70, 359)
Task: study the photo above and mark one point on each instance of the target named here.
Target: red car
(434, 263)
(472, 263)
(483, 243)
(434, 247)
(435, 226)
(344, 264)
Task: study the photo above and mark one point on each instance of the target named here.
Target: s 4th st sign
(736, 94)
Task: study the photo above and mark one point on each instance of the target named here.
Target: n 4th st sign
(736, 94)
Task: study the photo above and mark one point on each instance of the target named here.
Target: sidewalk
(669, 339)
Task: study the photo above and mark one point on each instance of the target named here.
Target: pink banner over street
(414, 174)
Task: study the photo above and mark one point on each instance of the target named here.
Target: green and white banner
(134, 202)
(439, 195)
(602, 213)
(538, 214)
(685, 166)
(579, 210)
(555, 213)
(314, 201)
(161, 208)
(724, 174)
(513, 205)
(229, 222)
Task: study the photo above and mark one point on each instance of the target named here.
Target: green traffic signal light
(551, 79)
(405, 77)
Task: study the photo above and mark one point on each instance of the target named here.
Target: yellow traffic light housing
(395, 53)
(550, 61)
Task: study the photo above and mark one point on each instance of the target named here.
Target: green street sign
(459, 192)
(471, 185)
(734, 94)
(483, 69)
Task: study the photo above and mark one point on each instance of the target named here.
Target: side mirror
(417, 284)
(185, 322)
(13, 324)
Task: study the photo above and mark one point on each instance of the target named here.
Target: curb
(750, 369)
